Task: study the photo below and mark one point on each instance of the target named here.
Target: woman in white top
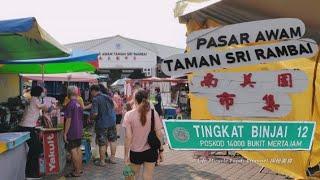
(29, 121)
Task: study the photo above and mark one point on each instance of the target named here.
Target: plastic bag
(128, 172)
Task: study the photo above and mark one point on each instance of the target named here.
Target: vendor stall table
(13, 155)
(53, 160)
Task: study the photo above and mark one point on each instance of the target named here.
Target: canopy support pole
(42, 78)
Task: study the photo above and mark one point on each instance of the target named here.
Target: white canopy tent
(120, 82)
(73, 77)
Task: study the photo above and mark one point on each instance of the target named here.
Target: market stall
(120, 84)
(55, 83)
(173, 91)
(24, 45)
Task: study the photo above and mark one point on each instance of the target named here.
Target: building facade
(121, 57)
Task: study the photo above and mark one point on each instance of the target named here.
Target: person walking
(73, 131)
(119, 110)
(103, 113)
(137, 124)
(158, 105)
(29, 122)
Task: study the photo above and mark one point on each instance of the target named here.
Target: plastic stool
(179, 116)
(170, 113)
(169, 117)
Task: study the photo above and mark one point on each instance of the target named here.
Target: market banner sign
(208, 59)
(121, 53)
(239, 135)
(248, 32)
(283, 81)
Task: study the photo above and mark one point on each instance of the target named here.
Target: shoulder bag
(153, 140)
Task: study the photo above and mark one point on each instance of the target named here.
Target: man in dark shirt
(103, 113)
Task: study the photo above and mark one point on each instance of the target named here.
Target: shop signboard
(121, 53)
(239, 135)
(282, 81)
(247, 32)
(207, 59)
(254, 96)
(249, 94)
(51, 153)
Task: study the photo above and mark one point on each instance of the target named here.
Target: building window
(147, 71)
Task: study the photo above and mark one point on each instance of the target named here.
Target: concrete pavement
(180, 165)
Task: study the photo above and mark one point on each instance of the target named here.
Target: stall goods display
(11, 113)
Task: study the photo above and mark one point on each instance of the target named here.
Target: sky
(78, 20)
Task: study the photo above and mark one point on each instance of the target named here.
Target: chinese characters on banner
(249, 94)
(270, 106)
(247, 81)
(226, 99)
(235, 103)
(283, 81)
(209, 81)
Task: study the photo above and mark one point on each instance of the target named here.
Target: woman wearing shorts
(137, 124)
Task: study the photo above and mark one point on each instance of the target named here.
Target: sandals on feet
(99, 163)
(111, 161)
(71, 175)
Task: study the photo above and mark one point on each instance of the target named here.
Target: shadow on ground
(182, 171)
(162, 172)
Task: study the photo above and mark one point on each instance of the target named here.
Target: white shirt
(31, 113)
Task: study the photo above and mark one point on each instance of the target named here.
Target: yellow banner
(305, 106)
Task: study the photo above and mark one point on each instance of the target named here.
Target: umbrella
(78, 61)
(25, 39)
(120, 82)
(26, 48)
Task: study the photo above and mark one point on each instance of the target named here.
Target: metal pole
(42, 69)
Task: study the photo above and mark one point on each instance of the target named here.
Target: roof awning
(236, 11)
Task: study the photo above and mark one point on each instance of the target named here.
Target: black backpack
(153, 140)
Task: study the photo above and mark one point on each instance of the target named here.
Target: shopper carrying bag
(142, 136)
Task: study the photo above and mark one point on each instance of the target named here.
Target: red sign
(285, 80)
(51, 153)
(282, 81)
(271, 105)
(235, 103)
(209, 81)
(226, 99)
(247, 80)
